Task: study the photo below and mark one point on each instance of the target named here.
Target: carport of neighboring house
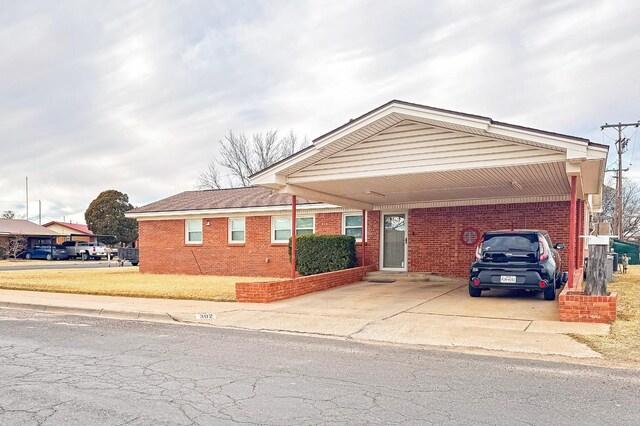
(431, 181)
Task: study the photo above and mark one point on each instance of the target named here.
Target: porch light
(375, 193)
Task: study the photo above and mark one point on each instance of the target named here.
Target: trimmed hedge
(316, 254)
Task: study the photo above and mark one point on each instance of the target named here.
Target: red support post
(572, 232)
(363, 262)
(293, 236)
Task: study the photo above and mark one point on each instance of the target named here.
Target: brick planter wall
(575, 306)
(266, 292)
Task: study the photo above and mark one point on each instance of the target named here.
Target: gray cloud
(134, 95)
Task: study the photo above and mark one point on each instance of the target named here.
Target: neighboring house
(36, 235)
(71, 231)
(430, 182)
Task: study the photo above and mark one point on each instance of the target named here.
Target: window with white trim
(352, 225)
(193, 231)
(236, 230)
(281, 227)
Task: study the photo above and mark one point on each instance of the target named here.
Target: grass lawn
(125, 282)
(623, 343)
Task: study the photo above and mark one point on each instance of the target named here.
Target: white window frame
(344, 224)
(244, 230)
(273, 226)
(186, 231)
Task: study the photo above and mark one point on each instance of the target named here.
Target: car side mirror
(559, 246)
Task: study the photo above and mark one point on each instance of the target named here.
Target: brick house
(424, 182)
(71, 231)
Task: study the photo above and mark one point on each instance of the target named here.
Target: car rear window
(515, 242)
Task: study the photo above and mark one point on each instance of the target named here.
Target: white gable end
(413, 147)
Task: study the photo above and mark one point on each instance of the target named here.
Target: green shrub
(316, 254)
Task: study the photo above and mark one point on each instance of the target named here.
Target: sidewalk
(401, 322)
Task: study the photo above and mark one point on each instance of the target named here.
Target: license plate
(508, 279)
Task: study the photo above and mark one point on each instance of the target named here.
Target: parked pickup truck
(85, 250)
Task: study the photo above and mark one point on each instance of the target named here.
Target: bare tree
(630, 207)
(15, 246)
(241, 157)
(8, 214)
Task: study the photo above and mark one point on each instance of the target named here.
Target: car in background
(56, 252)
(85, 250)
(517, 259)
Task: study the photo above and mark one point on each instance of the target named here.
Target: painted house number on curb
(205, 316)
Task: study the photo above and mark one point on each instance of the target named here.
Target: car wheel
(85, 256)
(550, 293)
(49, 257)
(27, 256)
(474, 292)
(134, 263)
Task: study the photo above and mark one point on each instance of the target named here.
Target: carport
(430, 181)
(34, 234)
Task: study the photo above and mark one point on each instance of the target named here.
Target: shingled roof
(219, 199)
(24, 227)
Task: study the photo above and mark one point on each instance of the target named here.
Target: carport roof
(404, 155)
(25, 228)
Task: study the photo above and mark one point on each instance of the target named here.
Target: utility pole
(621, 147)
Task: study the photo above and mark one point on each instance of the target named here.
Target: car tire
(27, 256)
(85, 256)
(134, 263)
(49, 257)
(550, 293)
(474, 292)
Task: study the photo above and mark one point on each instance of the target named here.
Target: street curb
(102, 313)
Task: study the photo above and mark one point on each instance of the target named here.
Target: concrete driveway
(445, 298)
(439, 313)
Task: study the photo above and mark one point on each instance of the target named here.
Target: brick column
(572, 231)
(293, 236)
(363, 262)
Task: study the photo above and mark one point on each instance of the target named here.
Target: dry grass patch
(623, 343)
(125, 282)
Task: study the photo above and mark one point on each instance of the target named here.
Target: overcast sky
(134, 95)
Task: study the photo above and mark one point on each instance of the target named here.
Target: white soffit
(534, 180)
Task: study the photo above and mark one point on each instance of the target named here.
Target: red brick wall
(575, 306)
(373, 238)
(434, 234)
(163, 250)
(434, 240)
(264, 292)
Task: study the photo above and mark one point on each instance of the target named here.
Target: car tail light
(479, 251)
(542, 284)
(476, 282)
(544, 252)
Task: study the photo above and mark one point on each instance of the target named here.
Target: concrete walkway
(420, 313)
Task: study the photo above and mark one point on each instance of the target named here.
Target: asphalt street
(57, 369)
(60, 264)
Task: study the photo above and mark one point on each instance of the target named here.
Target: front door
(394, 241)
